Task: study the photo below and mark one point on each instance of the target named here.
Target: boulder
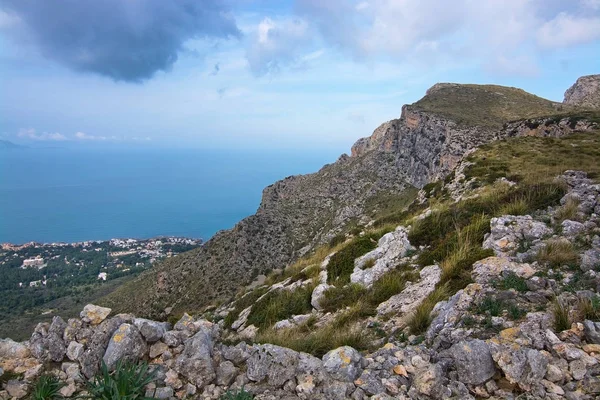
(317, 294)
(74, 351)
(571, 229)
(585, 92)
(125, 344)
(274, 363)
(414, 293)
(16, 389)
(508, 231)
(592, 331)
(94, 314)
(343, 363)
(186, 322)
(195, 362)
(226, 373)
(242, 319)
(473, 361)
(152, 331)
(10, 349)
(390, 249)
(491, 268)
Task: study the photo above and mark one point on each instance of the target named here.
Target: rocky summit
(454, 255)
(585, 92)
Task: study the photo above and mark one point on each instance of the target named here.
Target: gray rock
(406, 301)
(274, 363)
(226, 373)
(317, 294)
(242, 319)
(492, 268)
(508, 231)
(175, 338)
(10, 349)
(96, 345)
(185, 323)
(430, 381)
(195, 362)
(237, 354)
(152, 331)
(163, 393)
(370, 383)
(590, 259)
(390, 249)
(572, 228)
(585, 92)
(157, 349)
(94, 314)
(125, 344)
(74, 351)
(343, 363)
(592, 331)
(473, 361)
(16, 389)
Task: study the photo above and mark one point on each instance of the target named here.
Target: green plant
(237, 395)
(512, 281)
(490, 305)
(589, 308)
(126, 382)
(47, 387)
(280, 304)
(561, 311)
(568, 210)
(421, 317)
(514, 312)
(341, 263)
(339, 297)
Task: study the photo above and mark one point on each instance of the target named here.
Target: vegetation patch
(127, 382)
(421, 318)
(280, 304)
(557, 253)
(47, 387)
(341, 264)
(512, 281)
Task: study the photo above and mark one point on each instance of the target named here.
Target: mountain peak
(585, 92)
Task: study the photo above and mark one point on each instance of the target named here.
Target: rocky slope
(520, 318)
(301, 212)
(585, 92)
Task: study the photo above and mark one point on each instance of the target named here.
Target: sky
(296, 74)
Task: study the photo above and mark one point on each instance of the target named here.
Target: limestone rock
(317, 295)
(226, 373)
(152, 331)
(125, 344)
(94, 314)
(195, 362)
(157, 349)
(390, 249)
(343, 363)
(242, 319)
(592, 331)
(75, 351)
(11, 349)
(473, 361)
(16, 389)
(274, 363)
(406, 301)
(492, 268)
(509, 230)
(585, 92)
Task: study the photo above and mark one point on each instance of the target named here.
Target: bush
(568, 210)
(512, 281)
(337, 297)
(47, 387)
(280, 304)
(239, 395)
(126, 382)
(341, 264)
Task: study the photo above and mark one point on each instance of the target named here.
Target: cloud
(277, 43)
(428, 32)
(567, 30)
(126, 40)
(215, 70)
(85, 136)
(45, 136)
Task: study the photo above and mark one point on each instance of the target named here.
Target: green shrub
(47, 387)
(237, 395)
(242, 303)
(490, 305)
(512, 281)
(515, 312)
(280, 304)
(391, 283)
(337, 297)
(126, 382)
(341, 264)
(337, 239)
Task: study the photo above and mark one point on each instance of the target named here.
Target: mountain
(5, 144)
(381, 176)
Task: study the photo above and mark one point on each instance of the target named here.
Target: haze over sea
(69, 195)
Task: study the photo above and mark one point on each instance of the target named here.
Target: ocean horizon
(80, 194)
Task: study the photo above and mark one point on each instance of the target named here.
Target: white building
(102, 275)
(37, 262)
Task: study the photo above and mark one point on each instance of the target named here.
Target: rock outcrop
(585, 92)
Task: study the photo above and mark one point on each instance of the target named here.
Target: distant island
(6, 145)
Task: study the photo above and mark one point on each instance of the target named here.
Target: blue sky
(268, 74)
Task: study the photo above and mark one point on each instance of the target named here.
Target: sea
(74, 194)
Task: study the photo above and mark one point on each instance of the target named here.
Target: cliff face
(301, 212)
(585, 92)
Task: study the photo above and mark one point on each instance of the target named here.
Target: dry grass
(561, 312)
(421, 318)
(568, 210)
(557, 253)
(589, 308)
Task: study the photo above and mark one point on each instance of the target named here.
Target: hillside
(300, 213)
(486, 287)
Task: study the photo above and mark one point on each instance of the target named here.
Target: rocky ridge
(300, 213)
(585, 92)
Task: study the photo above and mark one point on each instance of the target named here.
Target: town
(39, 278)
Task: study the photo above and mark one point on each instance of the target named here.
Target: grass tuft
(568, 210)
(561, 312)
(279, 305)
(420, 319)
(47, 387)
(557, 253)
(128, 381)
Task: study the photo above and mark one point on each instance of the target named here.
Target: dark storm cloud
(126, 40)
